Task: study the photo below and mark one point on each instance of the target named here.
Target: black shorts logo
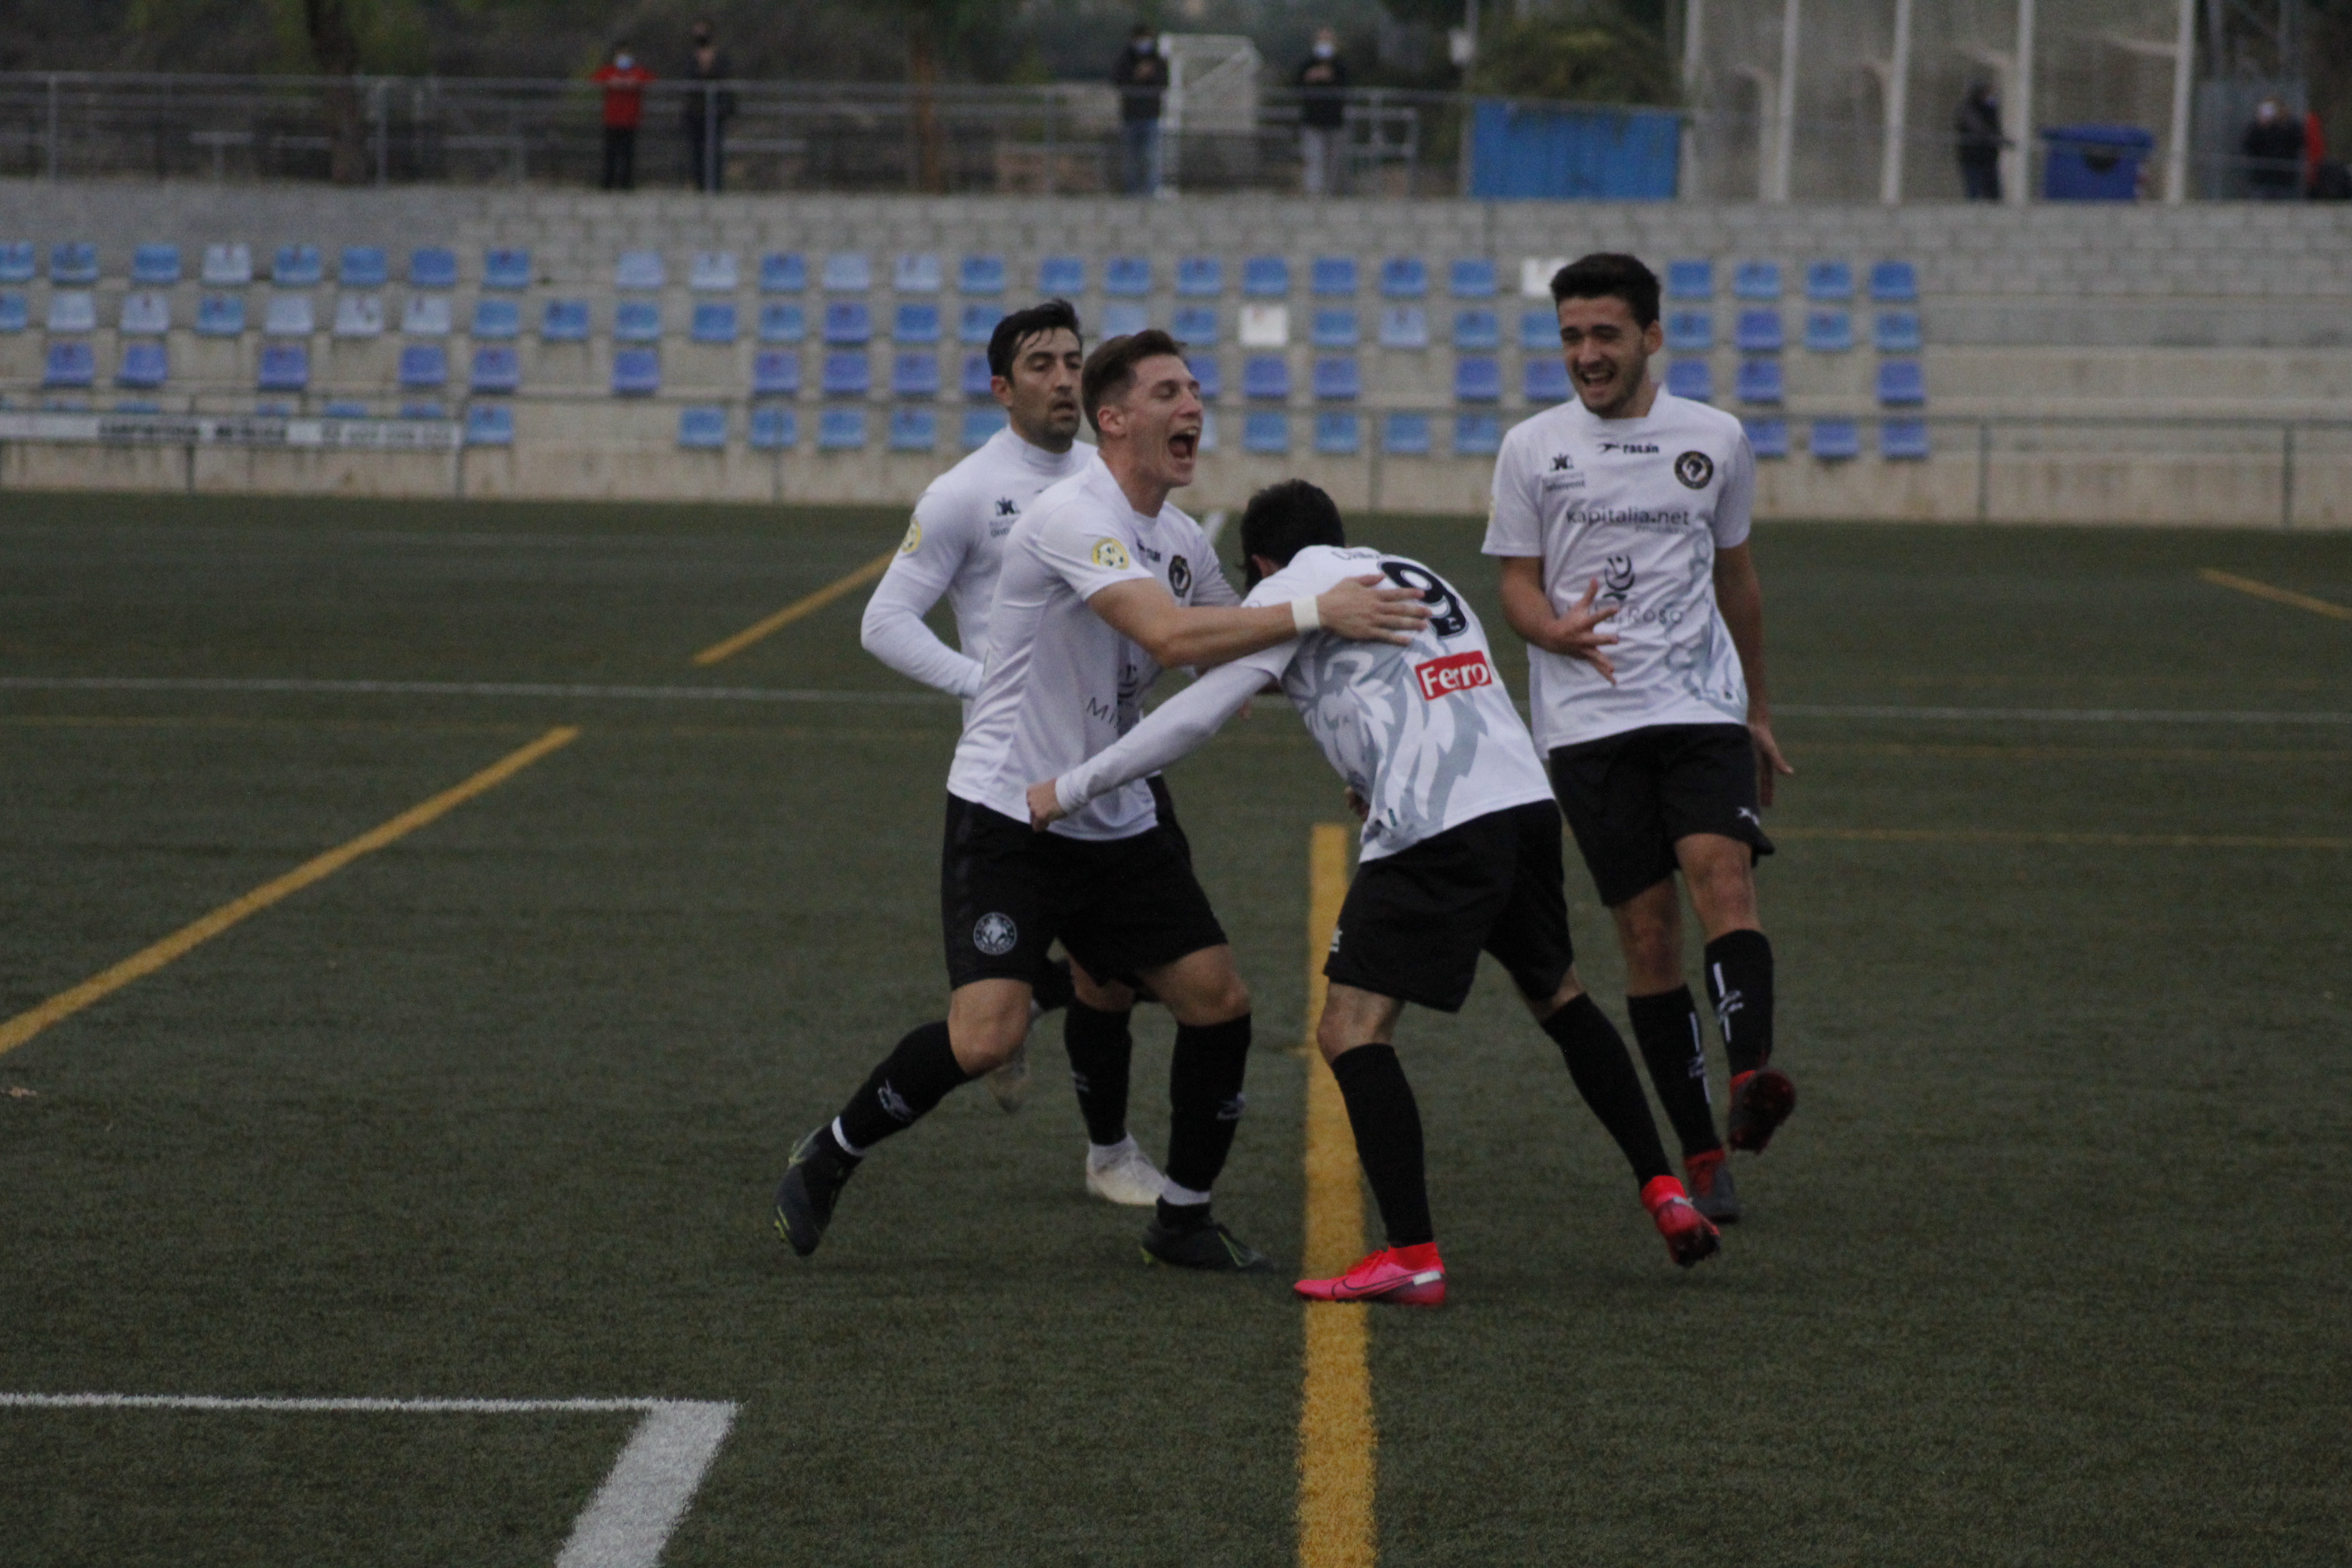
(1695, 469)
(1180, 575)
(996, 934)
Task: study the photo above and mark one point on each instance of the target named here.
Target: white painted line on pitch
(625, 1525)
(2067, 715)
(465, 688)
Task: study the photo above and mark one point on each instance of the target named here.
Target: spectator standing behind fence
(705, 112)
(623, 81)
(2274, 149)
(1323, 117)
(1977, 138)
(1141, 77)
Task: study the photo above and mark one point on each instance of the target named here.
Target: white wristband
(1306, 615)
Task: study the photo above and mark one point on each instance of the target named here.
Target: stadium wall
(2082, 363)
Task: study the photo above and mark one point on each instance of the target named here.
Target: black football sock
(1739, 984)
(915, 1077)
(1205, 1100)
(1597, 1059)
(1101, 1052)
(1667, 1025)
(1387, 1122)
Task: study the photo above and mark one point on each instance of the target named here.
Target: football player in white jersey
(1460, 852)
(1631, 506)
(955, 547)
(1103, 584)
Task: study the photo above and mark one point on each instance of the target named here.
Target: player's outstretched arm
(893, 629)
(1360, 609)
(1576, 635)
(1175, 728)
(1740, 596)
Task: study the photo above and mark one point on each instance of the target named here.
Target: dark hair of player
(1111, 369)
(1606, 274)
(1004, 343)
(1284, 518)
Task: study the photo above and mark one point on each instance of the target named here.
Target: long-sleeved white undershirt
(1175, 728)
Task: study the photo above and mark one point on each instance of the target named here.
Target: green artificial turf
(2049, 1269)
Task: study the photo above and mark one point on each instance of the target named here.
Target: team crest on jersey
(996, 934)
(1180, 575)
(1111, 555)
(1695, 469)
(914, 540)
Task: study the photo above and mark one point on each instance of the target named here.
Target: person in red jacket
(623, 81)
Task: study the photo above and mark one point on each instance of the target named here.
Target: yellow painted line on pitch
(147, 961)
(1335, 1435)
(794, 611)
(2222, 579)
(2093, 840)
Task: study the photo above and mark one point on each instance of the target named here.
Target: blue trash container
(2094, 162)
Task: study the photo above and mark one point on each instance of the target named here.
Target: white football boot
(1124, 1173)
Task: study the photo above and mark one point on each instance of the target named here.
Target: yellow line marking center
(794, 611)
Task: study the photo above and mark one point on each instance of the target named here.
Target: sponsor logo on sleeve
(1695, 469)
(914, 540)
(1453, 674)
(1180, 575)
(1111, 555)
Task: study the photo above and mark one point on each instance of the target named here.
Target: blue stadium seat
(1123, 317)
(137, 406)
(496, 368)
(285, 367)
(423, 367)
(1476, 329)
(1266, 376)
(1545, 381)
(913, 431)
(1903, 440)
(1539, 331)
(1690, 279)
(1894, 283)
(1334, 330)
(981, 426)
(1339, 434)
(15, 315)
(359, 316)
(1405, 435)
(637, 321)
(1768, 437)
(841, 430)
(775, 372)
(73, 262)
(155, 264)
(228, 266)
(1266, 277)
(639, 271)
(1196, 326)
(1209, 373)
(1761, 381)
(220, 315)
(846, 375)
(1267, 433)
(506, 268)
(1208, 431)
(1759, 333)
(977, 324)
(1756, 280)
(1829, 280)
(564, 321)
(144, 366)
(1405, 278)
(917, 273)
(1471, 278)
(490, 425)
(847, 272)
(775, 429)
(433, 266)
(1339, 379)
(1829, 331)
(146, 313)
(1199, 277)
(1693, 379)
(1478, 434)
(1129, 277)
(1404, 327)
(702, 428)
(713, 272)
(346, 408)
(713, 323)
(980, 275)
(498, 319)
(848, 322)
(1898, 332)
(915, 374)
(1901, 382)
(637, 373)
(1332, 275)
(362, 267)
(1835, 440)
(782, 323)
(426, 315)
(1477, 378)
(1062, 276)
(17, 262)
(783, 272)
(75, 311)
(1690, 331)
(285, 315)
(976, 380)
(266, 408)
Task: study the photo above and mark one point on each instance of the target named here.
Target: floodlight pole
(1899, 107)
(1693, 32)
(1784, 134)
(2021, 105)
(2184, 71)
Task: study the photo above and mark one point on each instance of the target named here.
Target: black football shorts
(1628, 797)
(1415, 922)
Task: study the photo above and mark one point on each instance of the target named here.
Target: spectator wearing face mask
(2274, 149)
(1323, 116)
(623, 81)
(1141, 77)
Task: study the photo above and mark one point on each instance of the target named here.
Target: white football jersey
(1424, 732)
(1059, 683)
(1640, 505)
(955, 546)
